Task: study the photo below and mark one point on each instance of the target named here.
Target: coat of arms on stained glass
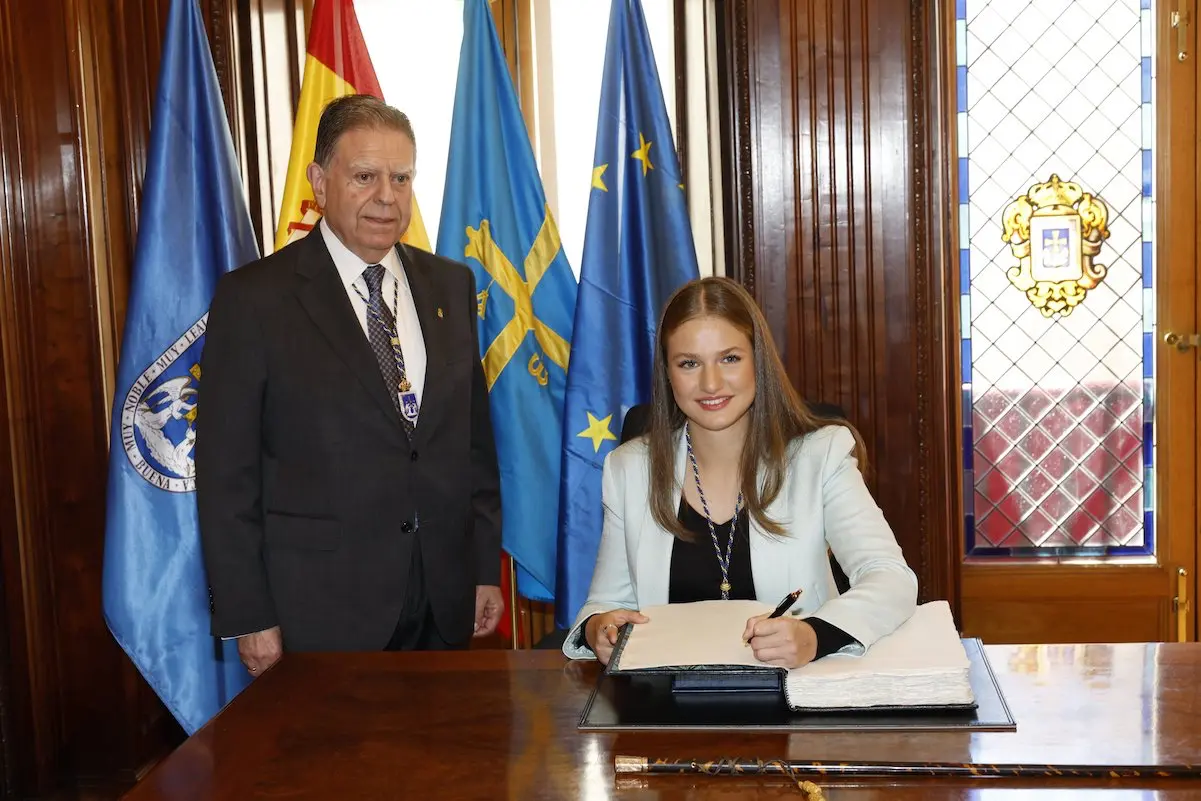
(1056, 230)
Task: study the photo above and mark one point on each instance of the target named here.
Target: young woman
(737, 491)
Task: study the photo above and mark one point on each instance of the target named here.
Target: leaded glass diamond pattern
(1056, 454)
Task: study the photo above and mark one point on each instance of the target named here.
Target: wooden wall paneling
(49, 367)
(8, 737)
(77, 82)
(24, 753)
(43, 229)
(18, 749)
(829, 164)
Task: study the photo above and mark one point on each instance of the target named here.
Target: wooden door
(1081, 524)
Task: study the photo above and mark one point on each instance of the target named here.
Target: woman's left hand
(787, 642)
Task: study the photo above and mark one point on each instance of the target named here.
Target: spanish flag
(337, 64)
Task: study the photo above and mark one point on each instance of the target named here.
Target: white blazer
(823, 502)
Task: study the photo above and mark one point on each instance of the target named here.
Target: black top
(696, 574)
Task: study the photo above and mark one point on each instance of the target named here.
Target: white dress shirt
(397, 296)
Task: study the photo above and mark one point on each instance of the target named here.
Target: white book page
(700, 633)
(926, 643)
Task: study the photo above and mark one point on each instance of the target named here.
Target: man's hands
(260, 650)
(489, 605)
(601, 630)
(781, 641)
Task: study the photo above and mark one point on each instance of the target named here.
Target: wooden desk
(502, 725)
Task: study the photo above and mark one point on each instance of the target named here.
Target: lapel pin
(439, 311)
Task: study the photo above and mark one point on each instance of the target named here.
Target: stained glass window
(1058, 410)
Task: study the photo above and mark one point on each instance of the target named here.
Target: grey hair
(355, 112)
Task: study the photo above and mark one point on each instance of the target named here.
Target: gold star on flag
(597, 181)
(597, 431)
(643, 154)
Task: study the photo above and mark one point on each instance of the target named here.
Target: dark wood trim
(934, 211)
(680, 40)
(945, 233)
(246, 140)
(301, 11)
(17, 746)
(8, 741)
(920, 215)
(734, 90)
(221, 26)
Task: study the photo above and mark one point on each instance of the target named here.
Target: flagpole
(513, 602)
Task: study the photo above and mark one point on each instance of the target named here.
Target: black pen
(786, 604)
(781, 607)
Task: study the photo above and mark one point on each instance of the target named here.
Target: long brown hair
(777, 415)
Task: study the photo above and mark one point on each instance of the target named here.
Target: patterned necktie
(381, 329)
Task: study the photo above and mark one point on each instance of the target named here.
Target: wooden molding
(680, 40)
(31, 207)
(734, 88)
(219, 23)
(921, 270)
(932, 204)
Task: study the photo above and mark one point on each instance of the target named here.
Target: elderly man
(346, 472)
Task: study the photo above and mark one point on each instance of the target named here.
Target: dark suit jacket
(310, 494)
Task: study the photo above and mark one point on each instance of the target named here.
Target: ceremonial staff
(795, 769)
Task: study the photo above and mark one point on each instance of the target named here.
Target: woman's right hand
(601, 630)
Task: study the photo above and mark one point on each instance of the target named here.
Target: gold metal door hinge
(1180, 605)
(1180, 24)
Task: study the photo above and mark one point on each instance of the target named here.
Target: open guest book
(922, 664)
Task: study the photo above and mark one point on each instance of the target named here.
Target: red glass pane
(993, 529)
(1036, 444)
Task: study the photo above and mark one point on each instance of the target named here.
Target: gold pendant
(725, 586)
(405, 386)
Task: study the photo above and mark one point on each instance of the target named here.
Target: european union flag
(495, 217)
(638, 249)
(194, 226)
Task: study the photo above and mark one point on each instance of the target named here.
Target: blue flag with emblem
(495, 217)
(638, 249)
(193, 226)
